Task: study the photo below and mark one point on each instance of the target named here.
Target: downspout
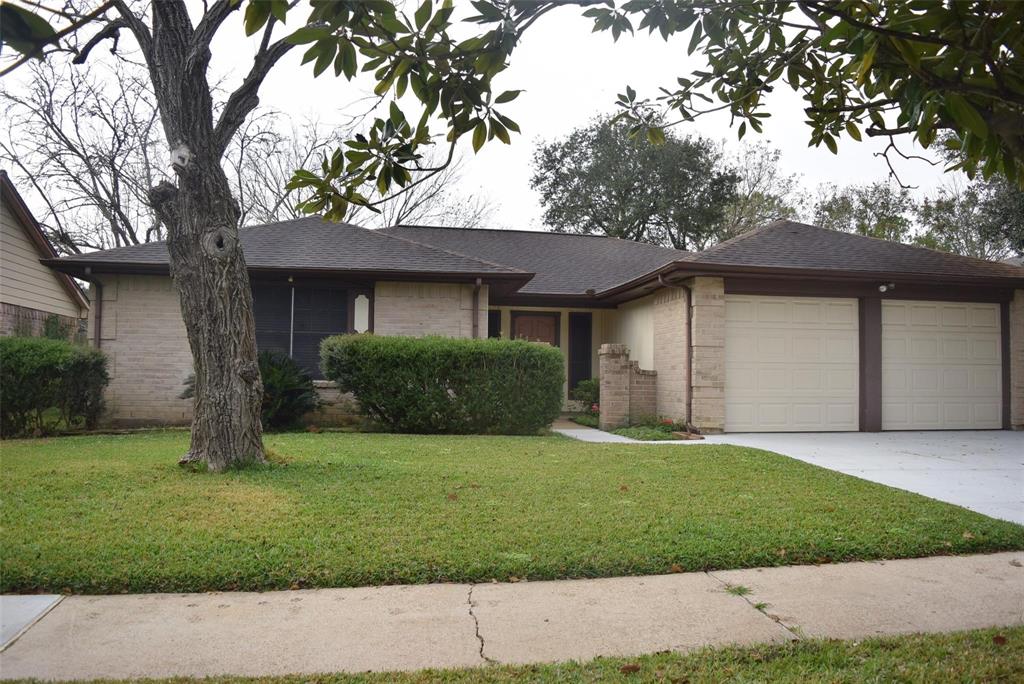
(689, 348)
(97, 326)
(476, 308)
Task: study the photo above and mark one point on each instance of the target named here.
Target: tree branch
(245, 98)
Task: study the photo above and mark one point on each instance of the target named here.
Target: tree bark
(206, 261)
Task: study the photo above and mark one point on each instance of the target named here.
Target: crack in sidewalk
(476, 626)
(794, 630)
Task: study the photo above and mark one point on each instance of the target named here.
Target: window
(294, 319)
(494, 323)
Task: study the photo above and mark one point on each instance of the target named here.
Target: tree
(440, 200)
(978, 219)
(89, 149)
(763, 193)
(879, 210)
(600, 179)
(88, 140)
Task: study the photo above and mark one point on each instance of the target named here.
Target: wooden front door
(536, 327)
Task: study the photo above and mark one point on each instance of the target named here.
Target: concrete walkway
(458, 625)
(982, 470)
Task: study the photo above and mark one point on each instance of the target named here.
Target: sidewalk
(458, 625)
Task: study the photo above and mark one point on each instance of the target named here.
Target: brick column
(614, 373)
(708, 372)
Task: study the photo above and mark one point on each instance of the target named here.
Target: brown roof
(798, 246)
(539, 264)
(309, 245)
(35, 233)
(563, 263)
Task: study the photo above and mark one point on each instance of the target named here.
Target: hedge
(43, 379)
(444, 385)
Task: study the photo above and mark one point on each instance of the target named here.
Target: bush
(41, 377)
(588, 393)
(444, 385)
(288, 391)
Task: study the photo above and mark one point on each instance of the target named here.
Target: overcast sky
(569, 75)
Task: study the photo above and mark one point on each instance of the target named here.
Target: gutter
(689, 348)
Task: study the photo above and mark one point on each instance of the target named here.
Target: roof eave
(506, 281)
(636, 286)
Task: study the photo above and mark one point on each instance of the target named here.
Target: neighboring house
(786, 328)
(30, 293)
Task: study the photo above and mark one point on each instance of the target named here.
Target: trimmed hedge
(444, 385)
(41, 377)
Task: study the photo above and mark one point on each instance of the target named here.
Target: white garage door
(941, 366)
(791, 364)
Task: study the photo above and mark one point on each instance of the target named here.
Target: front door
(540, 327)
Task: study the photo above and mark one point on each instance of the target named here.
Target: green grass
(646, 433)
(106, 514)
(988, 655)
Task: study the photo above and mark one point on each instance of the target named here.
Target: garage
(941, 365)
(791, 364)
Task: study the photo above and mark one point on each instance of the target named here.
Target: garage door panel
(803, 361)
(941, 366)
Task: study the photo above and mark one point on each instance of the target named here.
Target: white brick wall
(145, 340)
(670, 356)
(708, 374)
(418, 309)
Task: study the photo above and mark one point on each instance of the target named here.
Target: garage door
(791, 364)
(941, 366)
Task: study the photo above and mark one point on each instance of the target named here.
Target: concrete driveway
(979, 470)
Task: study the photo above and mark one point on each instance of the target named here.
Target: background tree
(763, 192)
(880, 210)
(975, 219)
(600, 179)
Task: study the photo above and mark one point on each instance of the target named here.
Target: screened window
(294, 319)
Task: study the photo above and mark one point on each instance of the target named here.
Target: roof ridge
(446, 251)
(535, 232)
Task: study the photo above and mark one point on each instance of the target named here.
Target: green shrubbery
(288, 391)
(44, 381)
(444, 385)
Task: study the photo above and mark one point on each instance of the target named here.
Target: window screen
(318, 313)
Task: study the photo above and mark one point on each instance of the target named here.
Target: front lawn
(115, 513)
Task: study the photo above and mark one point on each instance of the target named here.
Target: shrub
(40, 377)
(588, 393)
(444, 385)
(288, 391)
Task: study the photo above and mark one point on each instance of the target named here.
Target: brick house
(31, 293)
(787, 328)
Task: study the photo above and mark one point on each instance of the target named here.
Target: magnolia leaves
(410, 58)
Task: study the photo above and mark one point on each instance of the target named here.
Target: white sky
(569, 75)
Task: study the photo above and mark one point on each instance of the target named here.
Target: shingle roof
(791, 245)
(312, 244)
(564, 264)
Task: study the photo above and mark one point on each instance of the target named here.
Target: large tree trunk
(209, 273)
(206, 259)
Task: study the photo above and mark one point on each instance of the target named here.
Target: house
(31, 293)
(787, 328)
